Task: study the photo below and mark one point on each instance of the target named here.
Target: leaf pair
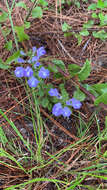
(82, 73)
(99, 91)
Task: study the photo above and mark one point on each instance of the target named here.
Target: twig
(66, 51)
(59, 125)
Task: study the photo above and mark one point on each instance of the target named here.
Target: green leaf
(3, 16)
(48, 86)
(43, 3)
(58, 76)
(79, 38)
(105, 19)
(27, 25)
(89, 24)
(79, 95)
(93, 6)
(101, 17)
(62, 2)
(100, 4)
(64, 93)
(13, 57)
(49, 106)
(59, 63)
(100, 88)
(84, 32)
(90, 89)
(40, 93)
(101, 99)
(6, 31)
(67, 34)
(100, 34)
(8, 45)
(3, 65)
(105, 4)
(37, 12)
(53, 68)
(54, 100)
(73, 69)
(85, 71)
(45, 102)
(94, 15)
(105, 154)
(21, 34)
(65, 27)
(21, 4)
(77, 3)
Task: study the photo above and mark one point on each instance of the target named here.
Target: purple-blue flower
(33, 82)
(19, 72)
(76, 104)
(29, 61)
(34, 49)
(57, 109)
(53, 92)
(37, 64)
(20, 60)
(69, 102)
(41, 51)
(22, 53)
(43, 73)
(28, 71)
(34, 59)
(66, 112)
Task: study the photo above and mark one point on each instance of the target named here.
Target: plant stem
(11, 22)
(12, 5)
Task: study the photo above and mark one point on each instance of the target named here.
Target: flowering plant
(36, 74)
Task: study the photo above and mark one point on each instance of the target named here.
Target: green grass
(11, 21)
(96, 170)
(17, 159)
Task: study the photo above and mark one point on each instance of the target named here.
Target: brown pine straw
(59, 125)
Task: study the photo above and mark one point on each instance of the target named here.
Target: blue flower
(33, 82)
(28, 72)
(57, 109)
(22, 53)
(34, 59)
(34, 49)
(53, 92)
(69, 102)
(43, 73)
(37, 64)
(76, 104)
(29, 61)
(19, 72)
(20, 60)
(66, 112)
(41, 51)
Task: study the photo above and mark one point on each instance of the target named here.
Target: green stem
(12, 5)
(11, 22)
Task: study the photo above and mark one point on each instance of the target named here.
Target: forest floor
(81, 132)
